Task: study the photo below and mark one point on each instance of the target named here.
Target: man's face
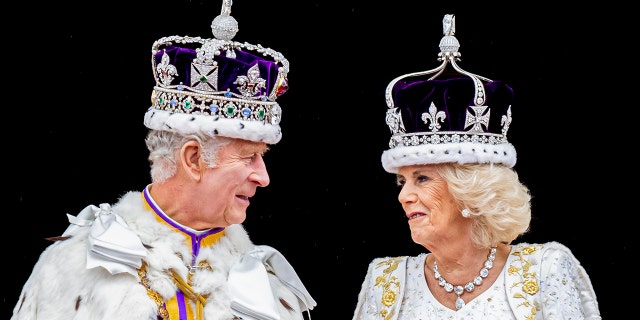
(226, 189)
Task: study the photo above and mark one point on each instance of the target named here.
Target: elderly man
(177, 249)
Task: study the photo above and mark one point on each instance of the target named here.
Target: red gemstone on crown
(283, 86)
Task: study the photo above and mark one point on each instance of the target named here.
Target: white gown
(539, 281)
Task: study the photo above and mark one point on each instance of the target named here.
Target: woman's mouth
(415, 215)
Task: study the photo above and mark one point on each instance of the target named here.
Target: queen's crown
(437, 116)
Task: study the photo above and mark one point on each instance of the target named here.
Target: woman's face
(434, 216)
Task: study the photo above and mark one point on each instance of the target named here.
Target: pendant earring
(465, 213)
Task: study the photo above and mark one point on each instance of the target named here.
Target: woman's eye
(254, 156)
(422, 178)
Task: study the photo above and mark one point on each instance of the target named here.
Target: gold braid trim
(185, 287)
(526, 285)
(390, 285)
(162, 308)
(192, 295)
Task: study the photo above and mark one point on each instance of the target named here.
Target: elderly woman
(466, 205)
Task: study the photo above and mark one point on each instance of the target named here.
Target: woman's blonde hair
(499, 204)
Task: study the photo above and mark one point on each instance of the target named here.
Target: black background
(78, 77)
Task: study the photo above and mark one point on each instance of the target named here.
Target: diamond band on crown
(223, 105)
(415, 139)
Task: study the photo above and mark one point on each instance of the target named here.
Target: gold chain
(162, 308)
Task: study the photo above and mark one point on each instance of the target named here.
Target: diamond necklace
(459, 290)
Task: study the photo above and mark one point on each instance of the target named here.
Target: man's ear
(191, 159)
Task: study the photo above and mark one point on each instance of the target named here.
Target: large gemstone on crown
(283, 86)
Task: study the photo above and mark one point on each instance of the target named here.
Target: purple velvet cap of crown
(436, 121)
(218, 88)
(229, 69)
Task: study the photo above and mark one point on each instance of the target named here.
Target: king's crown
(217, 86)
